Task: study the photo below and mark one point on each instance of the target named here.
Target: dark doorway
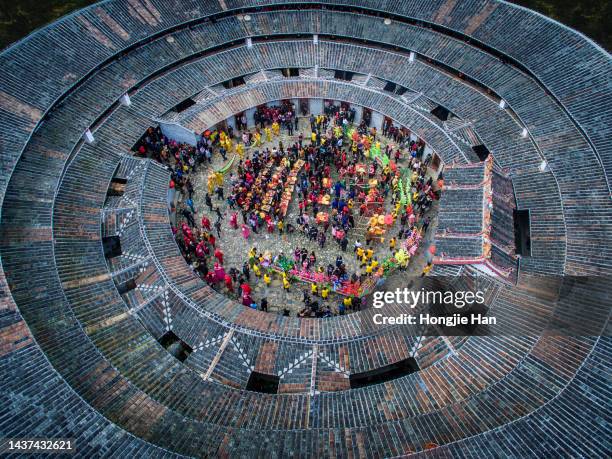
(291, 72)
(522, 232)
(117, 186)
(435, 162)
(112, 246)
(389, 86)
(126, 286)
(175, 346)
(238, 81)
(367, 116)
(440, 112)
(481, 151)
(304, 107)
(384, 374)
(184, 105)
(262, 382)
(343, 75)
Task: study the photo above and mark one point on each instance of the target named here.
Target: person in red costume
(228, 283)
(219, 256)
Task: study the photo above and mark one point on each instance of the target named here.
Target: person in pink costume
(245, 232)
(219, 272)
(234, 220)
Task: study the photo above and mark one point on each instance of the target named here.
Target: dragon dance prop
(375, 152)
(377, 225)
(402, 257)
(402, 192)
(227, 166)
(345, 128)
(345, 288)
(398, 260)
(285, 264)
(408, 187)
(405, 195)
(377, 155)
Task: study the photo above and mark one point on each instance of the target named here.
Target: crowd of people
(283, 116)
(337, 184)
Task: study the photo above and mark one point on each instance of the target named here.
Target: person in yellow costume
(325, 292)
(223, 138)
(240, 150)
(313, 137)
(392, 244)
(257, 139)
(285, 282)
(364, 261)
(374, 264)
(347, 301)
(314, 289)
(369, 270)
(266, 279)
(268, 134)
(256, 270)
(402, 258)
(369, 253)
(426, 269)
(360, 252)
(276, 128)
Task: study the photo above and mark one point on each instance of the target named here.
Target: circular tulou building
(109, 338)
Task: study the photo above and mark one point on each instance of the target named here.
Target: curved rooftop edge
(80, 359)
(505, 27)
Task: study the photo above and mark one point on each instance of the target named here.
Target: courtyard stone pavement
(235, 248)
